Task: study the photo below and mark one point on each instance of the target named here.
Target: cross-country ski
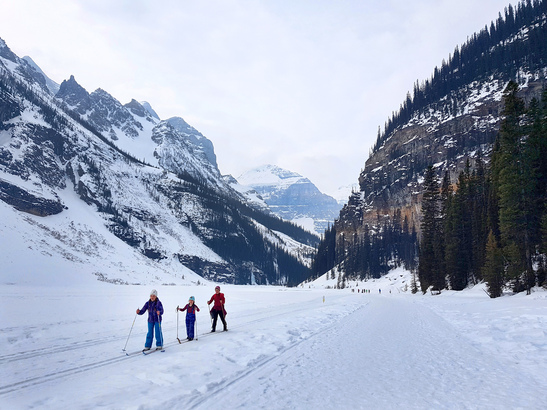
(150, 351)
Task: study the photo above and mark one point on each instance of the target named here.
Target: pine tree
(514, 188)
(479, 225)
(430, 271)
(542, 273)
(413, 284)
(544, 233)
(493, 268)
(541, 168)
(458, 236)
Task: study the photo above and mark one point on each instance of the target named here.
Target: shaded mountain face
(150, 110)
(120, 175)
(291, 196)
(196, 138)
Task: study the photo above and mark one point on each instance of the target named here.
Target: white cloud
(301, 84)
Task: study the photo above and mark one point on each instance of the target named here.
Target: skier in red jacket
(218, 309)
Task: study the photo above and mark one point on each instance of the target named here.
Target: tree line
(368, 253)
(491, 224)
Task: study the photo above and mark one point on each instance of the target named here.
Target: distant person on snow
(218, 309)
(190, 308)
(155, 310)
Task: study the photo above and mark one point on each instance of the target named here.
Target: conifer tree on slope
(493, 270)
(458, 235)
(542, 274)
(430, 270)
(479, 224)
(538, 139)
(514, 190)
(535, 152)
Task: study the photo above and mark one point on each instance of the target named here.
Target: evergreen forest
(491, 224)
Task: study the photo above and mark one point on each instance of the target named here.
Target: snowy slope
(75, 247)
(285, 348)
(109, 190)
(247, 192)
(272, 176)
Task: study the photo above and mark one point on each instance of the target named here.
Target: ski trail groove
(62, 373)
(211, 395)
(36, 353)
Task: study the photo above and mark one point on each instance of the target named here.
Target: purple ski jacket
(152, 307)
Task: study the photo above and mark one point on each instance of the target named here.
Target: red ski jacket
(219, 301)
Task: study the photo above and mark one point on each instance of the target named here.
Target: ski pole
(196, 324)
(129, 335)
(178, 325)
(224, 316)
(210, 316)
(161, 333)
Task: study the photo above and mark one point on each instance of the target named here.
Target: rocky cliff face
(379, 228)
(51, 85)
(451, 117)
(392, 176)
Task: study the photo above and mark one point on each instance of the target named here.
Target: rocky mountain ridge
(154, 185)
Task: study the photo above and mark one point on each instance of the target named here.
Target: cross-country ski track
(285, 349)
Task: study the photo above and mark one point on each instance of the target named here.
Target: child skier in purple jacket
(190, 308)
(155, 310)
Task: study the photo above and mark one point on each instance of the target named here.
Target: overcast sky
(302, 84)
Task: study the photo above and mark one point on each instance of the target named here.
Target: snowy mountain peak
(292, 196)
(6, 52)
(150, 110)
(136, 108)
(91, 186)
(73, 94)
(182, 126)
(268, 175)
(195, 138)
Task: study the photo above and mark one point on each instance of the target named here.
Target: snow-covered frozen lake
(306, 348)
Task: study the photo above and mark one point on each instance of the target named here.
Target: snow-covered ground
(303, 348)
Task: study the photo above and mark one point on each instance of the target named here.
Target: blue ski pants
(190, 321)
(150, 336)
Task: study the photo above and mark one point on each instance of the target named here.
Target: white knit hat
(154, 292)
